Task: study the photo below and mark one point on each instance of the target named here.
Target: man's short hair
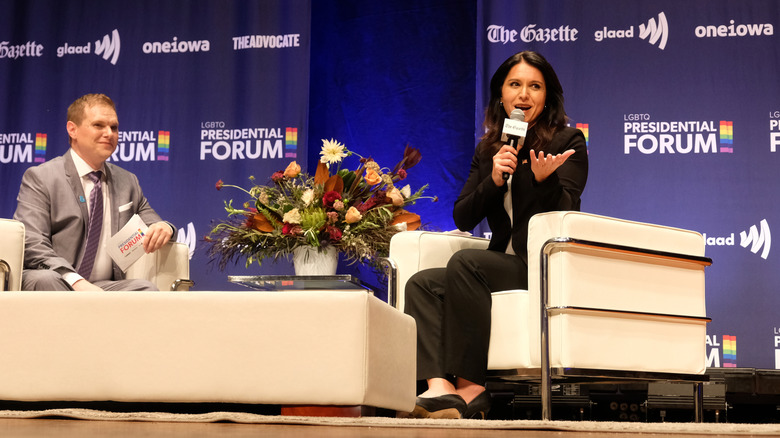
(77, 109)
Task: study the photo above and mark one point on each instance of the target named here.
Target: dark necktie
(95, 225)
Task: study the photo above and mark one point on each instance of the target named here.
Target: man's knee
(43, 280)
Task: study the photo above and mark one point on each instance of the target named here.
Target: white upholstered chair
(607, 299)
(168, 268)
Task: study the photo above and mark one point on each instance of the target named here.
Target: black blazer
(481, 198)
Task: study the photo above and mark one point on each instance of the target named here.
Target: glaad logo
(654, 32)
(108, 48)
(758, 240)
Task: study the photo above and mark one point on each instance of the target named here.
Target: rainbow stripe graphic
(584, 128)
(726, 136)
(40, 147)
(163, 145)
(291, 143)
(729, 351)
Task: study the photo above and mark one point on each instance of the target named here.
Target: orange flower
(261, 223)
(352, 216)
(372, 178)
(293, 170)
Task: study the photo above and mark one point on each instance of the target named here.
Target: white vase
(309, 261)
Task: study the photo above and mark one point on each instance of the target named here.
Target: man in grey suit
(57, 199)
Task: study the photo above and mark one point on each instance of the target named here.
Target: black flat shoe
(443, 406)
(479, 407)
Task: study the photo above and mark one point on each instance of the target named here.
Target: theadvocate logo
(734, 30)
(23, 147)
(757, 238)
(267, 41)
(28, 49)
(108, 47)
(655, 32)
(142, 146)
(646, 136)
(529, 33)
(728, 348)
(222, 143)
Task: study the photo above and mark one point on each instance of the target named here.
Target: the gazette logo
(756, 238)
(108, 48)
(531, 33)
(142, 146)
(734, 30)
(219, 142)
(26, 50)
(643, 135)
(655, 32)
(22, 147)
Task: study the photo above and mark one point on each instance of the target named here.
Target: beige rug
(239, 417)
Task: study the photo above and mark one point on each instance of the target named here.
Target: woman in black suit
(452, 305)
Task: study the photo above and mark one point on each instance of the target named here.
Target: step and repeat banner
(680, 106)
(205, 90)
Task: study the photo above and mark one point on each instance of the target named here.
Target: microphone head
(517, 114)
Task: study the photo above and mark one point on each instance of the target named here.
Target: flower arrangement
(354, 211)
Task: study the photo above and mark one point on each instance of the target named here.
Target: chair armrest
(168, 267)
(11, 254)
(413, 251)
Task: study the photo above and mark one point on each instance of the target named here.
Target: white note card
(125, 247)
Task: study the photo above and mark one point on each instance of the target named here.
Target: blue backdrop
(678, 101)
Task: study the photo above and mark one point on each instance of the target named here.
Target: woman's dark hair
(552, 118)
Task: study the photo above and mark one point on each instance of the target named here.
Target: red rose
(330, 197)
(334, 233)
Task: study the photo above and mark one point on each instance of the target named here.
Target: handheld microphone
(514, 131)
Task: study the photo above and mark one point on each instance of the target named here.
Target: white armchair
(608, 298)
(168, 268)
(11, 254)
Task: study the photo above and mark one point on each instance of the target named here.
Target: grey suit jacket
(53, 208)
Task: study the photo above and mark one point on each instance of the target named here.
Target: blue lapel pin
(81, 199)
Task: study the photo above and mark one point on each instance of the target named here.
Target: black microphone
(514, 131)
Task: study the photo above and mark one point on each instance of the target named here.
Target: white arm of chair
(11, 254)
(413, 251)
(168, 267)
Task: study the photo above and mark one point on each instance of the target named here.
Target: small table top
(300, 282)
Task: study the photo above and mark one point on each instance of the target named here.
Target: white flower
(406, 191)
(307, 197)
(332, 151)
(292, 217)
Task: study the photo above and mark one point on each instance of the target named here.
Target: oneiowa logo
(142, 146)
(756, 238)
(22, 147)
(655, 32)
(108, 47)
(645, 136)
(221, 143)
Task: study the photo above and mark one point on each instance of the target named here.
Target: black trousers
(452, 309)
